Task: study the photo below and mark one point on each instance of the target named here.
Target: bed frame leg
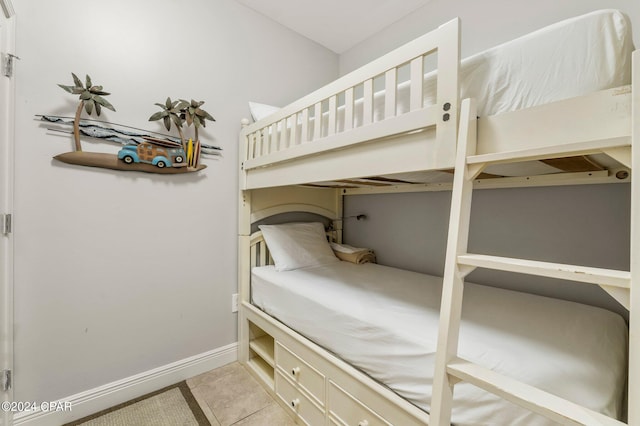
(243, 324)
(244, 267)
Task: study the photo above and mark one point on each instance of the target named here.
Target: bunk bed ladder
(449, 368)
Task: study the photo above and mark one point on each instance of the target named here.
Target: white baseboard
(103, 397)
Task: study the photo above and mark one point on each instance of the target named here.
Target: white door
(7, 96)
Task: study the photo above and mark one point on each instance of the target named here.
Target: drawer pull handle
(295, 371)
(295, 403)
(363, 423)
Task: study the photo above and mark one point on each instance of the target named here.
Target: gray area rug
(171, 406)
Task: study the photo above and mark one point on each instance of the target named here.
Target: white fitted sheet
(573, 57)
(384, 321)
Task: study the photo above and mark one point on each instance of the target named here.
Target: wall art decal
(142, 150)
(178, 112)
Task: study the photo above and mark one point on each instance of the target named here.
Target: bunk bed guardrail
(324, 120)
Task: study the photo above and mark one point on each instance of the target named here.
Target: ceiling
(336, 24)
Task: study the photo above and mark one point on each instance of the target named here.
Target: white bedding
(573, 57)
(384, 321)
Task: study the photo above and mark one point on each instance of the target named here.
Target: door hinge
(5, 223)
(7, 64)
(6, 380)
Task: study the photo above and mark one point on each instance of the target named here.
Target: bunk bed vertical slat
(348, 109)
(415, 91)
(284, 139)
(390, 89)
(304, 126)
(293, 139)
(263, 253)
(254, 257)
(252, 146)
(333, 109)
(317, 121)
(367, 102)
(259, 143)
(266, 140)
(275, 140)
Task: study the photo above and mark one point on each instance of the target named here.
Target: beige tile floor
(229, 395)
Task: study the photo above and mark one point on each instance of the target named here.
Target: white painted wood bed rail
(273, 156)
(309, 126)
(610, 126)
(595, 123)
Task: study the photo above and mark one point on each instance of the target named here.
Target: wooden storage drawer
(344, 409)
(300, 373)
(297, 401)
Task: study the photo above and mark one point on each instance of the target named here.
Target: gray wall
(583, 225)
(118, 273)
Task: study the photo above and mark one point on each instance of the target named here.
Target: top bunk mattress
(384, 321)
(573, 57)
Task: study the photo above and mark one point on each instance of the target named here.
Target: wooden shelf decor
(111, 161)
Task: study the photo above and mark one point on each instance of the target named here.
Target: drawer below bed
(302, 407)
(300, 373)
(345, 409)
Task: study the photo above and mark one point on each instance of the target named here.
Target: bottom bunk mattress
(384, 321)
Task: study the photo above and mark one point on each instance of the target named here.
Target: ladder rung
(583, 274)
(564, 150)
(534, 399)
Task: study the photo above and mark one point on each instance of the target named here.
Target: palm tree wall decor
(172, 113)
(195, 115)
(91, 97)
(181, 111)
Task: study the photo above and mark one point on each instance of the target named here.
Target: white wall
(484, 23)
(117, 273)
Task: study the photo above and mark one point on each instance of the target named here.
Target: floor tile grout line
(199, 400)
(242, 372)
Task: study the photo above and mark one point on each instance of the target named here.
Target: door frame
(7, 134)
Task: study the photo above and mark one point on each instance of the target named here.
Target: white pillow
(260, 111)
(298, 245)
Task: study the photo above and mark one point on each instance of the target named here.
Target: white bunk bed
(382, 128)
